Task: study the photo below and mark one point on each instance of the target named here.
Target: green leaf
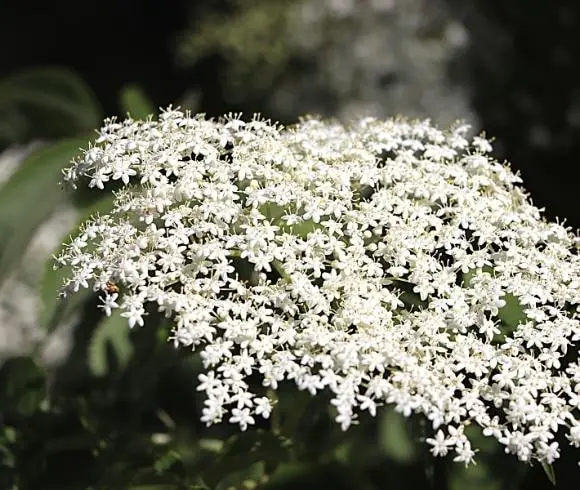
(8, 438)
(244, 458)
(274, 213)
(247, 478)
(54, 101)
(478, 476)
(304, 228)
(412, 301)
(394, 438)
(550, 473)
(22, 386)
(135, 102)
(29, 197)
(13, 125)
(110, 344)
(54, 309)
(287, 474)
(512, 313)
(164, 463)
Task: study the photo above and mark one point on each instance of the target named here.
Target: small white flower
(574, 435)
(464, 453)
(109, 303)
(548, 452)
(440, 443)
(213, 411)
(242, 417)
(263, 407)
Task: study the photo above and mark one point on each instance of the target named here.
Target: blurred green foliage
(252, 38)
(48, 102)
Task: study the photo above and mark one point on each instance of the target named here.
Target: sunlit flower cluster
(387, 262)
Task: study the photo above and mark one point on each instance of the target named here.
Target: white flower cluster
(374, 262)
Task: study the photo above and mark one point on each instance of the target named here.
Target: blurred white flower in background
(380, 58)
(339, 58)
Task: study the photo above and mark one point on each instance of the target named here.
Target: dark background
(521, 69)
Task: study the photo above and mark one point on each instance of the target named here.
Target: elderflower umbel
(376, 262)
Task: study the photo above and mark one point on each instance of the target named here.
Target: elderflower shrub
(387, 262)
(329, 56)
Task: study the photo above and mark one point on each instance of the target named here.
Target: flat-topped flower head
(384, 262)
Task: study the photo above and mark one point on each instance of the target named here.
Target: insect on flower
(111, 288)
